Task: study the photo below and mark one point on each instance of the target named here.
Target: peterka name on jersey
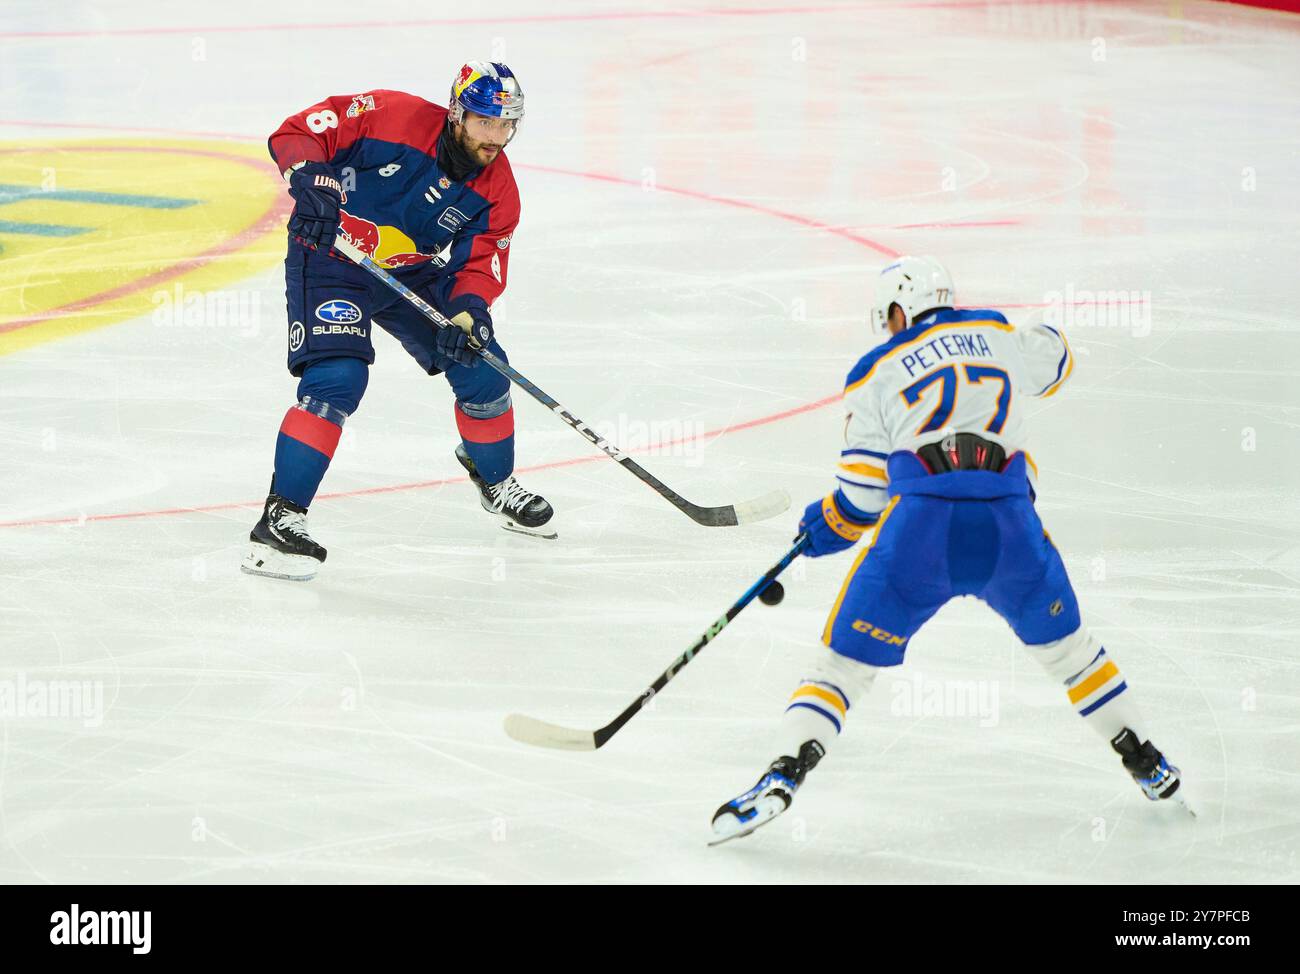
(956, 345)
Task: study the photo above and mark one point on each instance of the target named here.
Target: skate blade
(728, 838)
(266, 561)
(543, 532)
(768, 809)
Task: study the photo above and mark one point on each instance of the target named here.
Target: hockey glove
(830, 528)
(317, 193)
(455, 342)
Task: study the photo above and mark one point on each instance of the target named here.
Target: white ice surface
(349, 729)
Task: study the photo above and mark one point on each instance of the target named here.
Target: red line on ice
(728, 201)
(422, 484)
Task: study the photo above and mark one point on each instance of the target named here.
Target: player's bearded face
(483, 137)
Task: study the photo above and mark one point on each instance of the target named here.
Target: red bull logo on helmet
(467, 76)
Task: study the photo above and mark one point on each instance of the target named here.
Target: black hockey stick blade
(746, 512)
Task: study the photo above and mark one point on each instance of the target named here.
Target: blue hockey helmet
(486, 88)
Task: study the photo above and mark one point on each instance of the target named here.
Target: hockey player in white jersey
(935, 462)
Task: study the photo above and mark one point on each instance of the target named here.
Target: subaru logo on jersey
(504, 242)
(452, 219)
(338, 311)
(296, 335)
(357, 330)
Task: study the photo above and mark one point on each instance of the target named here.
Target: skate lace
(509, 495)
(291, 522)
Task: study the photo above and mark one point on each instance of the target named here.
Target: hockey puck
(773, 594)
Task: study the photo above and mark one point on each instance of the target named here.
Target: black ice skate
(282, 548)
(519, 510)
(1158, 779)
(770, 797)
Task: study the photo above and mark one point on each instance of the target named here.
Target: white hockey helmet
(915, 284)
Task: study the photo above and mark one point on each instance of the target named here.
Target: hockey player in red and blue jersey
(426, 192)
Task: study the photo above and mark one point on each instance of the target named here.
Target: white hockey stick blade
(539, 733)
(762, 508)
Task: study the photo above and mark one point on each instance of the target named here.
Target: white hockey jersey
(952, 372)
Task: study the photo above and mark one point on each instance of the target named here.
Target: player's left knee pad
(1066, 657)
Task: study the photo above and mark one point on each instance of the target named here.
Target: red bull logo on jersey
(361, 103)
(387, 246)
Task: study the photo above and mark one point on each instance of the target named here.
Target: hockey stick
(529, 730)
(746, 512)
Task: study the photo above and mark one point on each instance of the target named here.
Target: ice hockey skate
(768, 798)
(282, 548)
(1158, 779)
(520, 511)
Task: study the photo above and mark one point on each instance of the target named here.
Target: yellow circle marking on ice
(92, 230)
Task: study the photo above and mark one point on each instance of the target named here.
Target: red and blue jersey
(399, 206)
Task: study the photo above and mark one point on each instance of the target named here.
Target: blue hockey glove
(317, 193)
(829, 528)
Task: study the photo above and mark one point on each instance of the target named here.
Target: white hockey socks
(1093, 682)
(820, 703)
